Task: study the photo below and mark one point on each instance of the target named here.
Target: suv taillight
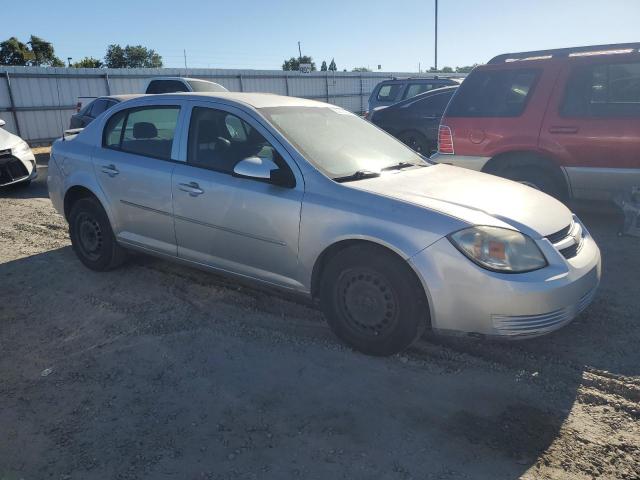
(445, 140)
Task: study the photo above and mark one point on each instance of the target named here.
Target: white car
(17, 163)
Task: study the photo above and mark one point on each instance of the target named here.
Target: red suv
(564, 121)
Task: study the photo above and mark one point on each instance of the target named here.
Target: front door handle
(110, 170)
(563, 129)
(192, 188)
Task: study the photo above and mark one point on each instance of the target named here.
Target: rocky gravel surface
(158, 371)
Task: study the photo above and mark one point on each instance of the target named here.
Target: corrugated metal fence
(37, 103)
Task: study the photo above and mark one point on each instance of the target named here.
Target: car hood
(7, 140)
(474, 197)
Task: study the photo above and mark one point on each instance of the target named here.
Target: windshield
(339, 143)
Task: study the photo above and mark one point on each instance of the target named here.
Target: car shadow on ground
(156, 370)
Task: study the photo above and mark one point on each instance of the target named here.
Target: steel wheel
(90, 236)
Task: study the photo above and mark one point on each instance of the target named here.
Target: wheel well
(332, 250)
(73, 195)
(499, 164)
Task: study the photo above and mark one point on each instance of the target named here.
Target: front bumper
(15, 169)
(465, 298)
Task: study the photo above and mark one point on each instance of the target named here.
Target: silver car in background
(308, 197)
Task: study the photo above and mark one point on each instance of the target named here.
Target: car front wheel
(91, 236)
(373, 301)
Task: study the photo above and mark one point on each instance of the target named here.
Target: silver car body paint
(277, 236)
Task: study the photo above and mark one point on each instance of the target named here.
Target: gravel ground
(158, 371)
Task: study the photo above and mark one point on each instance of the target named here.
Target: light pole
(436, 42)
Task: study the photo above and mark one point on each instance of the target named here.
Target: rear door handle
(192, 188)
(563, 129)
(110, 170)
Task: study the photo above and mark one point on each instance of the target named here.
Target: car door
(134, 167)
(245, 226)
(593, 125)
(424, 114)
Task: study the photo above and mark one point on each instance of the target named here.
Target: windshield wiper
(357, 175)
(401, 165)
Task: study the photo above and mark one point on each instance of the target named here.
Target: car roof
(255, 100)
(122, 98)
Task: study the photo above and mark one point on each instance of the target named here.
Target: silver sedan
(308, 197)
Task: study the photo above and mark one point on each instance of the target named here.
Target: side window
(166, 86)
(146, 131)
(418, 88)
(611, 90)
(494, 93)
(389, 92)
(432, 105)
(98, 107)
(219, 140)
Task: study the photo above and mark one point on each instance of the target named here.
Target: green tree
(361, 69)
(43, 54)
(323, 67)
(131, 56)
(466, 69)
(14, 52)
(332, 65)
(293, 64)
(447, 70)
(88, 62)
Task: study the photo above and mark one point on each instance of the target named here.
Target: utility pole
(300, 52)
(419, 68)
(436, 42)
(185, 57)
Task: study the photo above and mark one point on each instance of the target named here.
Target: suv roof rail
(565, 52)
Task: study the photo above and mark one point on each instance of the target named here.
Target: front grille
(11, 170)
(560, 234)
(571, 251)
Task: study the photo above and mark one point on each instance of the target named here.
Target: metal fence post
(241, 85)
(12, 104)
(326, 78)
(361, 94)
(106, 79)
(286, 84)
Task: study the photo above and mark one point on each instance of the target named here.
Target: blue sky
(259, 34)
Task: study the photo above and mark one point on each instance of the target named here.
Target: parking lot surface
(160, 371)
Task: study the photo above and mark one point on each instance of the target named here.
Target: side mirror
(263, 169)
(2, 123)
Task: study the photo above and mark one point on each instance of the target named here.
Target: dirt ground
(158, 371)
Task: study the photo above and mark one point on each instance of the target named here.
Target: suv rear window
(389, 92)
(493, 93)
(166, 86)
(611, 90)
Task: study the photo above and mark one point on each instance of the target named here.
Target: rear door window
(603, 90)
(494, 93)
(432, 105)
(417, 88)
(389, 92)
(146, 131)
(166, 86)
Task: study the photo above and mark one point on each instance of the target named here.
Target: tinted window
(144, 131)
(219, 140)
(493, 93)
(417, 88)
(98, 107)
(432, 105)
(389, 92)
(166, 86)
(603, 91)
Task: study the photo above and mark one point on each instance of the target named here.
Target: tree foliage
(37, 52)
(131, 56)
(323, 67)
(466, 69)
(293, 64)
(332, 66)
(88, 62)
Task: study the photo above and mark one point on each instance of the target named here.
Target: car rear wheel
(373, 301)
(92, 238)
(416, 141)
(535, 177)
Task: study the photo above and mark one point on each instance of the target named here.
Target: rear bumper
(464, 161)
(465, 298)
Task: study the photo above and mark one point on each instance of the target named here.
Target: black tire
(416, 141)
(373, 301)
(536, 177)
(92, 237)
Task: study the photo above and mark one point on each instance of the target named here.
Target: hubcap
(90, 236)
(367, 302)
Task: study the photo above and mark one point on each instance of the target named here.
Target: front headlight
(499, 249)
(21, 148)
